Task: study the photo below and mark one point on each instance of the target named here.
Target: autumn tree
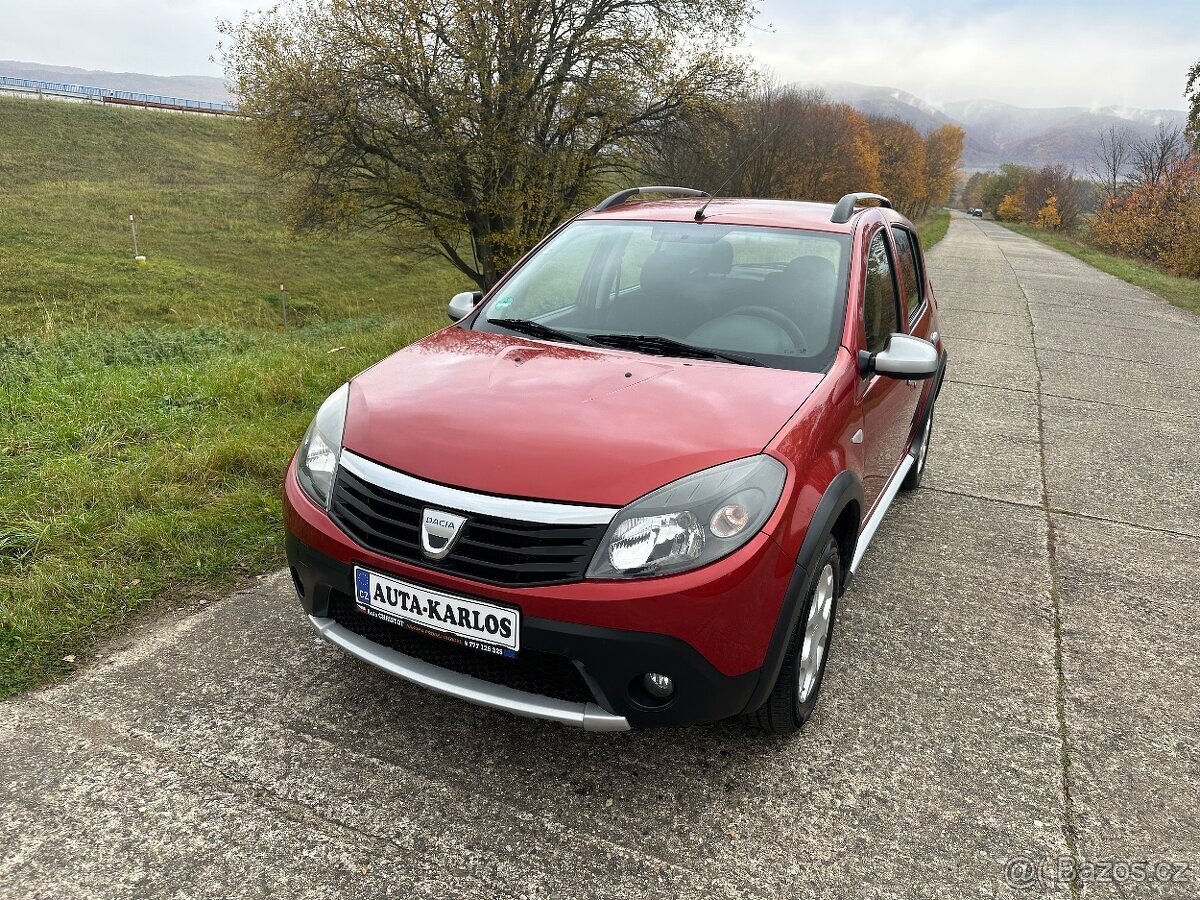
(943, 150)
(773, 142)
(901, 162)
(1156, 221)
(1048, 217)
(1058, 181)
(468, 128)
(1000, 185)
(835, 155)
(972, 192)
(1013, 207)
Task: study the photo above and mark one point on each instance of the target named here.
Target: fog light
(658, 686)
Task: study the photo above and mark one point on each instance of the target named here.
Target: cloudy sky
(1027, 52)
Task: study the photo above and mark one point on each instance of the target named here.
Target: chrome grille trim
(440, 495)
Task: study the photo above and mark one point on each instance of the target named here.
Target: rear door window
(909, 264)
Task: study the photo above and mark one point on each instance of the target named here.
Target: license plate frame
(466, 621)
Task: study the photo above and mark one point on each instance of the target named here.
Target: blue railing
(103, 94)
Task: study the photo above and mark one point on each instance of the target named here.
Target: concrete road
(1016, 673)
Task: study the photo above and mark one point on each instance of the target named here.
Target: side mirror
(904, 357)
(462, 304)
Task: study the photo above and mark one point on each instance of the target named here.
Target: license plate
(473, 623)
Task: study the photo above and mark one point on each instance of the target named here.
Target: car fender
(845, 489)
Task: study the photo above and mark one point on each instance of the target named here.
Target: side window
(910, 271)
(880, 316)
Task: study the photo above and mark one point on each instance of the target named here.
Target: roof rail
(621, 196)
(845, 207)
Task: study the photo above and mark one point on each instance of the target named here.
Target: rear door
(888, 404)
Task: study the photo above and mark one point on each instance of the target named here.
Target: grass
(147, 414)
(70, 176)
(933, 227)
(1182, 292)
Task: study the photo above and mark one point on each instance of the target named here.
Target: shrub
(1048, 217)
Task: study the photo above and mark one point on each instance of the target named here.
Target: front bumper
(587, 716)
(606, 664)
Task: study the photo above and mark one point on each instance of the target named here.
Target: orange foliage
(1158, 221)
(1012, 207)
(901, 162)
(1048, 217)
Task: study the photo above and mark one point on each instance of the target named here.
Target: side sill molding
(588, 716)
(881, 508)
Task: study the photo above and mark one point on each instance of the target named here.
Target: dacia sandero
(627, 487)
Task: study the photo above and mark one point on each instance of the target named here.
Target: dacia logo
(439, 530)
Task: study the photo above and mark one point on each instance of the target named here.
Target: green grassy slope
(70, 176)
(146, 414)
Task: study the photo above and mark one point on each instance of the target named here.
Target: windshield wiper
(670, 347)
(538, 330)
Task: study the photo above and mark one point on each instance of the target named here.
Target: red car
(627, 487)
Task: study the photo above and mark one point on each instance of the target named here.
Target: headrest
(662, 271)
(815, 270)
(720, 258)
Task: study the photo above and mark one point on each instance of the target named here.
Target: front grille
(493, 550)
(532, 671)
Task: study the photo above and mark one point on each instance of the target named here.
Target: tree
(1012, 207)
(1156, 220)
(943, 150)
(973, 190)
(1048, 217)
(1153, 158)
(1191, 92)
(901, 162)
(1112, 157)
(469, 128)
(1001, 184)
(1059, 182)
(773, 142)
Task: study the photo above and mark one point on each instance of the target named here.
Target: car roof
(731, 211)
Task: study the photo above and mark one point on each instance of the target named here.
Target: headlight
(691, 522)
(317, 461)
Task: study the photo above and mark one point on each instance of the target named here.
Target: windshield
(771, 296)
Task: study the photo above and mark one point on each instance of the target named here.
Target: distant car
(627, 487)
(976, 212)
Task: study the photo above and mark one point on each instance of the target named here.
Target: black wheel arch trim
(844, 489)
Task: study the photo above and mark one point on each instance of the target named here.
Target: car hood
(504, 415)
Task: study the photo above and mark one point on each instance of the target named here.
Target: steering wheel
(774, 315)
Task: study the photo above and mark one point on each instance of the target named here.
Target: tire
(794, 696)
(912, 480)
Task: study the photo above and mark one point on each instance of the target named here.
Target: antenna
(733, 174)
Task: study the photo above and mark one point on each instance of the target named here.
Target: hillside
(208, 223)
(999, 132)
